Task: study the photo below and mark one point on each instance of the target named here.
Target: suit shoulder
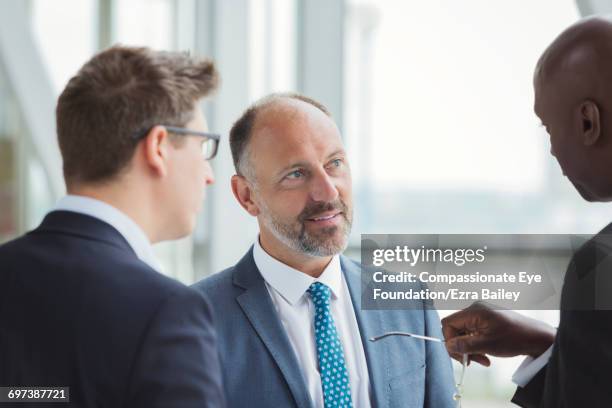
(588, 258)
(216, 281)
(147, 284)
(91, 270)
(13, 245)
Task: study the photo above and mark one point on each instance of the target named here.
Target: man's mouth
(328, 217)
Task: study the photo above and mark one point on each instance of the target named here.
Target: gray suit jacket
(259, 366)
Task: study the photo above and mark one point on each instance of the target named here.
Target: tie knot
(319, 292)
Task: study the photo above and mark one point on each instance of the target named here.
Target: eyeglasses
(459, 384)
(209, 146)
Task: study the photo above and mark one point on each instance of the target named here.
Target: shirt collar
(132, 233)
(290, 282)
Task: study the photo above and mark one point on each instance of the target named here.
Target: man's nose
(324, 188)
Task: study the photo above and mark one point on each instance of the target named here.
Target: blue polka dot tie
(334, 376)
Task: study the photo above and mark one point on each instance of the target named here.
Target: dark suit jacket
(260, 368)
(79, 309)
(579, 373)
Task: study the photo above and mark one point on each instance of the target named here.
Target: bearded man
(291, 331)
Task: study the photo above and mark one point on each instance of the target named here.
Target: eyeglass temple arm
(417, 336)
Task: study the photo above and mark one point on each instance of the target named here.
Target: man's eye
(335, 163)
(296, 174)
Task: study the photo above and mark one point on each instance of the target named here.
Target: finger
(463, 321)
(471, 344)
(449, 332)
(456, 322)
(457, 357)
(480, 359)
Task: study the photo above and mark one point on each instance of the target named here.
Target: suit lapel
(370, 325)
(257, 305)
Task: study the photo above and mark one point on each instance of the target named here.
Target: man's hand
(480, 330)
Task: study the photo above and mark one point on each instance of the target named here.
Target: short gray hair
(241, 131)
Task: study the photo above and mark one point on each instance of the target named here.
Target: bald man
(572, 367)
(290, 327)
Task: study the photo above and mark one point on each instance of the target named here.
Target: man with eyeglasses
(82, 301)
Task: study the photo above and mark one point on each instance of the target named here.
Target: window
(66, 34)
(145, 23)
(9, 182)
(439, 119)
(24, 190)
(272, 46)
(439, 125)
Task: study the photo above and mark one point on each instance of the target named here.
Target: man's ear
(590, 122)
(243, 192)
(156, 145)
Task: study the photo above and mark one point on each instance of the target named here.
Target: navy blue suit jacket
(79, 309)
(260, 368)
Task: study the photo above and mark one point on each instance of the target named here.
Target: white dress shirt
(530, 367)
(287, 288)
(132, 233)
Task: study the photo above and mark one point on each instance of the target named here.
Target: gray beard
(305, 243)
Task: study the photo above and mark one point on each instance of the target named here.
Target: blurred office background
(434, 99)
